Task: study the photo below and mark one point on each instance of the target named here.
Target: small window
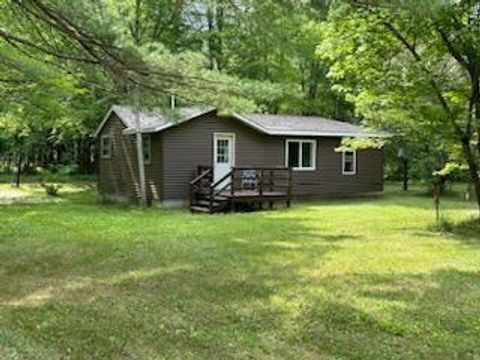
(223, 155)
(106, 146)
(349, 163)
(147, 149)
(300, 154)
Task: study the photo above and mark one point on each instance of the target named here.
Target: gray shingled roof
(292, 125)
(153, 120)
(288, 125)
(157, 120)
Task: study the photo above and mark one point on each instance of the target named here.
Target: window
(300, 154)
(223, 154)
(147, 148)
(106, 146)
(349, 163)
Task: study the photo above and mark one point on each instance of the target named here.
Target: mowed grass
(366, 278)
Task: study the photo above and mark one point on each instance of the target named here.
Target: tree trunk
(436, 200)
(215, 21)
(473, 168)
(17, 172)
(83, 159)
(405, 174)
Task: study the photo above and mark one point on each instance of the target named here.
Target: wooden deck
(252, 194)
(249, 186)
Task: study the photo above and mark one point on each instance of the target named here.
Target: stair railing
(194, 184)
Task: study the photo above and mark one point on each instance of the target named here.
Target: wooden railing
(259, 183)
(201, 183)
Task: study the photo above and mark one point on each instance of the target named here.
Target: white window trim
(314, 154)
(220, 135)
(110, 138)
(354, 171)
(149, 136)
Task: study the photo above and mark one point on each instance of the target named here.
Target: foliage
(411, 71)
(52, 189)
(58, 82)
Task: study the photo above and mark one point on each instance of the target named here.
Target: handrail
(222, 179)
(201, 176)
(216, 192)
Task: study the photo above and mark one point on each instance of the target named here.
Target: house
(202, 144)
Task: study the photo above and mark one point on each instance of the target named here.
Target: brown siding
(191, 144)
(328, 180)
(118, 175)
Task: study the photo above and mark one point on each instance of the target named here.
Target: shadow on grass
(431, 315)
(204, 292)
(465, 230)
(133, 284)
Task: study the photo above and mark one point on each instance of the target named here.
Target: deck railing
(249, 183)
(263, 183)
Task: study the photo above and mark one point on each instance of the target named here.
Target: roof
(276, 125)
(295, 125)
(153, 120)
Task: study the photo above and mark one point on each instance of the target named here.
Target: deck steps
(204, 206)
(199, 209)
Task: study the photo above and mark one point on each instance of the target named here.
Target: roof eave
(102, 124)
(324, 134)
(251, 123)
(306, 133)
(130, 131)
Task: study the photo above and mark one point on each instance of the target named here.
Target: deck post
(270, 203)
(190, 195)
(260, 188)
(289, 189)
(232, 189)
(210, 204)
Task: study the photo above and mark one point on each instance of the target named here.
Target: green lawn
(356, 278)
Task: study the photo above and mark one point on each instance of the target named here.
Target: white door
(223, 155)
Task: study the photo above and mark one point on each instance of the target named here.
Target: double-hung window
(301, 154)
(106, 146)
(349, 162)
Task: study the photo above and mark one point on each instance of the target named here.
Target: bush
(52, 189)
(63, 170)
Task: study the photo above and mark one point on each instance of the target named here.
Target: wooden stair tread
(200, 209)
(207, 203)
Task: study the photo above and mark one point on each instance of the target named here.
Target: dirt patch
(12, 195)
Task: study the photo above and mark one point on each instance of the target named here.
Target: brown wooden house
(196, 154)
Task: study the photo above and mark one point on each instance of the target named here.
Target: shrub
(52, 189)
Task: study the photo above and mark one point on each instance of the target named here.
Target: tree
(412, 67)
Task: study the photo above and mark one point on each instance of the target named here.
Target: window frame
(313, 156)
(230, 136)
(149, 149)
(354, 171)
(102, 146)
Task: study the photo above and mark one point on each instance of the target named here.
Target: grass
(365, 278)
